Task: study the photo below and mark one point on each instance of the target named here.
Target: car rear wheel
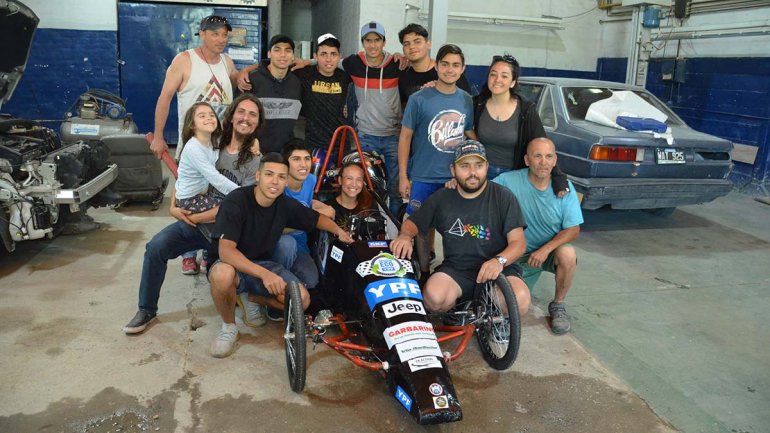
(498, 332)
(294, 335)
(661, 211)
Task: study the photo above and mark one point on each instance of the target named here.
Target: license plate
(669, 155)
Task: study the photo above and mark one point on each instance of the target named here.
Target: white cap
(328, 36)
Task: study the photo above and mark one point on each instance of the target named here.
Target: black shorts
(467, 279)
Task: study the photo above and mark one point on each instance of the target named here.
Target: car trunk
(703, 156)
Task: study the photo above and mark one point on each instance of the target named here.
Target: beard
(241, 138)
(463, 184)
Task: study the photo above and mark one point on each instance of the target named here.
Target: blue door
(150, 35)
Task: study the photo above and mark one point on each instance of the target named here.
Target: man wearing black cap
(324, 92)
(202, 74)
(482, 232)
(280, 93)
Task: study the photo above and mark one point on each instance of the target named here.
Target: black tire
(661, 212)
(294, 337)
(493, 325)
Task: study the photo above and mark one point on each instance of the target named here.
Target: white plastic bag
(622, 103)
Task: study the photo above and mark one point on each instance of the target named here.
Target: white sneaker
(224, 344)
(253, 313)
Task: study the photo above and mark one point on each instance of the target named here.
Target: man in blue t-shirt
(552, 223)
(436, 120)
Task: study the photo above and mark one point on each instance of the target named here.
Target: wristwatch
(502, 260)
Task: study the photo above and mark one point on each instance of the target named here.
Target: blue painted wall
(62, 65)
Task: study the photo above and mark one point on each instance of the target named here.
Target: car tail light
(611, 153)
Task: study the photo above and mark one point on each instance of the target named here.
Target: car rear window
(578, 99)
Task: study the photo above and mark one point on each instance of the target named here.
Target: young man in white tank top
(203, 73)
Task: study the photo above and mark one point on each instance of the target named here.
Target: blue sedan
(625, 169)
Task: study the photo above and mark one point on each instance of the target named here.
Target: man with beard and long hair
(238, 160)
(482, 233)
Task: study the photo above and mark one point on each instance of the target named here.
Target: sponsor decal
(416, 348)
(384, 265)
(404, 398)
(378, 244)
(337, 254)
(391, 288)
(408, 331)
(84, 129)
(436, 389)
(424, 362)
(440, 402)
(405, 306)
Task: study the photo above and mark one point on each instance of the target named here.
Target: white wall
(614, 40)
(575, 48)
(76, 14)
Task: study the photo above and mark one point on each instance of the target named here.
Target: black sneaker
(559, 318)
(274, 314)
(139, 322)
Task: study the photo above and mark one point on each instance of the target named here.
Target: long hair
(364, 199)
(512, 63)
(188, 126)
(244, 153)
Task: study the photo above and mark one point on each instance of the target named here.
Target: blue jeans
(386, 146)
(299, 262)
(250, 284)
(167, 244)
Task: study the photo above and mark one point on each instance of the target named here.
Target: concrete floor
(667, 318)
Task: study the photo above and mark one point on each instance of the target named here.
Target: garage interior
(669, 330)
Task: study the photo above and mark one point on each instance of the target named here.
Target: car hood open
(17, 27)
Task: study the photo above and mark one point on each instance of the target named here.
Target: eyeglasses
(507, 58)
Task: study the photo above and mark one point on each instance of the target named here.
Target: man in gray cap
(375, 74)
(280, 93)
(201, 74)
(482, 232)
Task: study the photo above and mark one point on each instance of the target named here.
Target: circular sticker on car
(436, 389)
(384, 265)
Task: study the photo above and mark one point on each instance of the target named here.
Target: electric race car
(375, 304)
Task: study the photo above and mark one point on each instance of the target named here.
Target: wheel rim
(290, 337)
(495, 328)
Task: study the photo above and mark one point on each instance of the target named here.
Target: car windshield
(578, 99)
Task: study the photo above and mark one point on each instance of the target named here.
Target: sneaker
(224, 344)
(274, 314)
(139, 322)
(253, 313)
(190, 266)
(559, 318)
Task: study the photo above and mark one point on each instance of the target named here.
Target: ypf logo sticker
(384, 265)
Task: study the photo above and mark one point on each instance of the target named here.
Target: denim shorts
(253, 285)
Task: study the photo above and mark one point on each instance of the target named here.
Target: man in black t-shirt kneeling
(249, 223)
(482, 232)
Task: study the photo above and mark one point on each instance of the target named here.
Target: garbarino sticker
(407, 331)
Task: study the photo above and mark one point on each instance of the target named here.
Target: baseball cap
(277, 39)
(213, 22)
(470, 148)
(373, 27)
(330, 38)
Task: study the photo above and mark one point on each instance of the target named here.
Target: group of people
(245, 187)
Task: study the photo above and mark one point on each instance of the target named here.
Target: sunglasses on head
(216, 19)
(507, 58)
